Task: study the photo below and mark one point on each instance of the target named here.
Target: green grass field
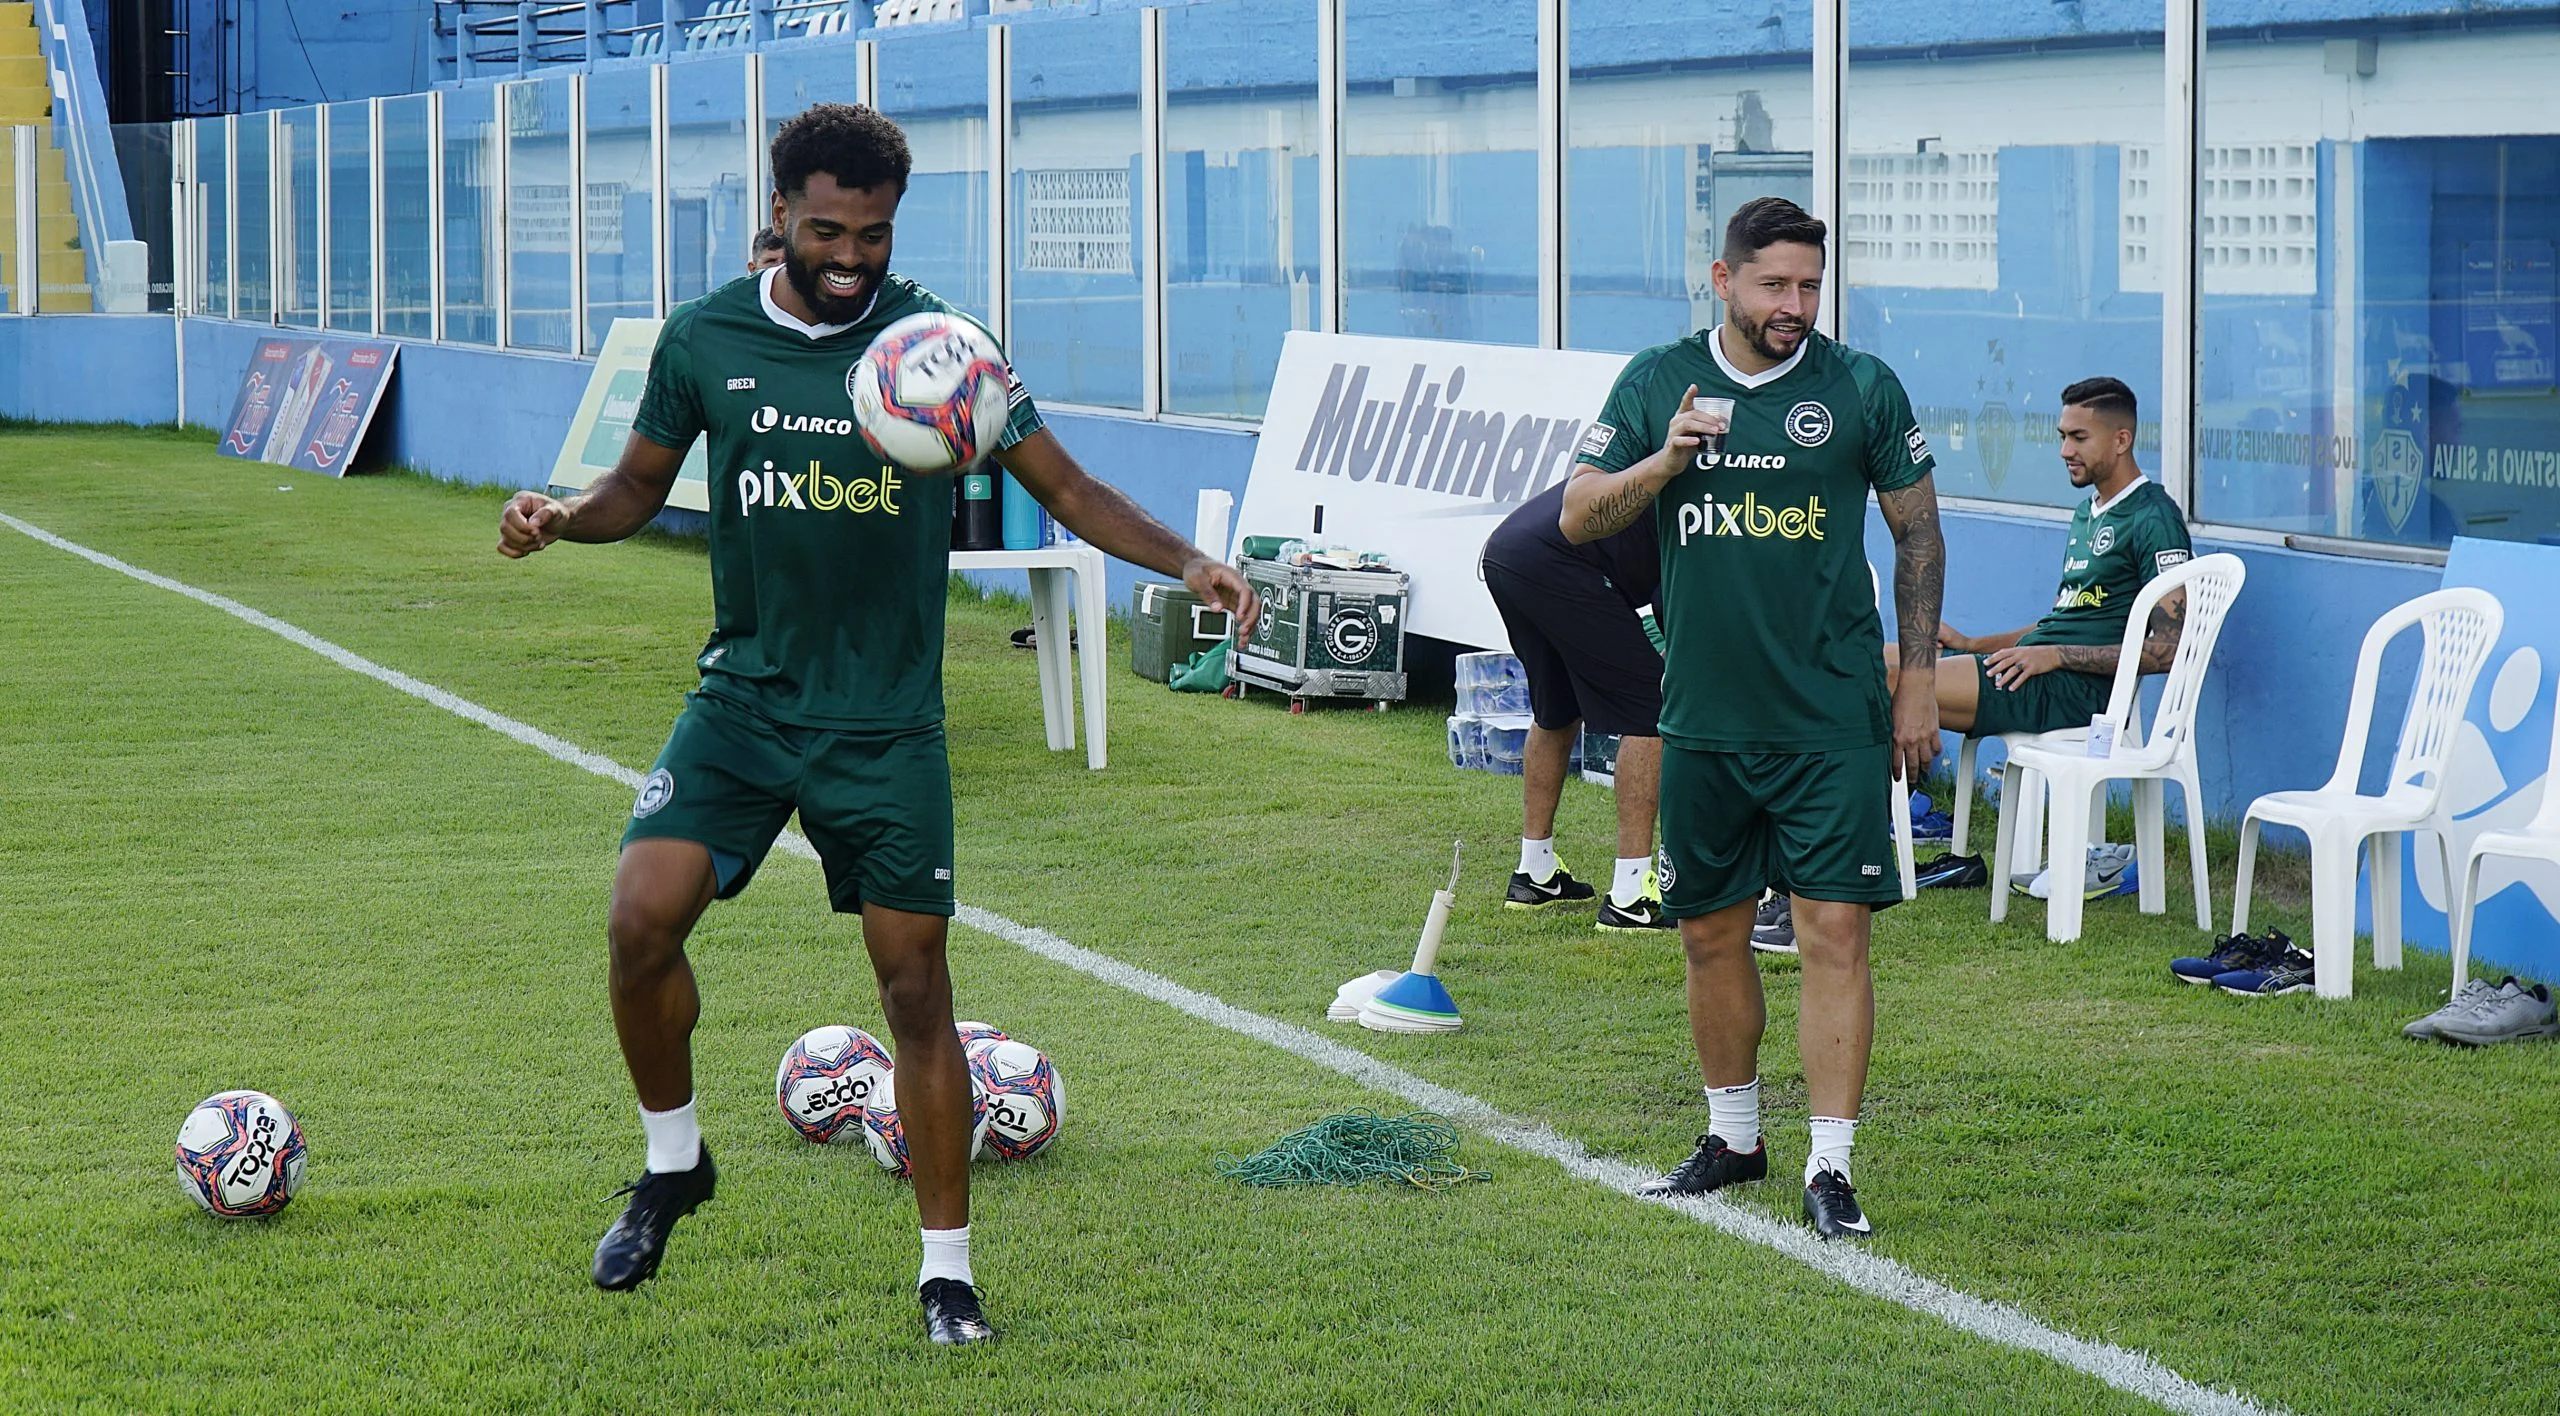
(226, 861)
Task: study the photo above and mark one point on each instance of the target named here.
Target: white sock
(675, 1142)
(946, 1255)
(1733, 1114)
(1627, 886)
(1832, 1137)
(1538, 859)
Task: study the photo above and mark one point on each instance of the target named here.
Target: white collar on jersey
(2098, 508)
(792, 322)
(1770, 375)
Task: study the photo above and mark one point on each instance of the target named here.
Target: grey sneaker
(2466, 1000)
(2513, 1012)
(2109, 868)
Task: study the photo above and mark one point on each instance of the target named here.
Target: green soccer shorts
(2064, 698)
(876, 805)
(1816, 824)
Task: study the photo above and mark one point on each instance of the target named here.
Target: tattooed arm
(1599, 504)
(2013, 666)
(1919, 590)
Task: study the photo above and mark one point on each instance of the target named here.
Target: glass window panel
(538, 225)
(1440, 171)
(63, 254)
(1241, 235)
(1077, 179)
(708, 198)
(1671, 128)
(298, 237)
(351, 217)
(470, 216)
(213, 216)
(408, 180)
(253, 259)
(11, 298)
(934, 84)
(1996, 253)
(801, 75)
(2379, 217)
(622, 209)
(141, 276)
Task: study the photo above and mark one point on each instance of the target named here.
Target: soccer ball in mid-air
(931, 393)
(886, 1132)
(1026, 1103)
(240, 1155)
(825, 1080)
(973, 1033)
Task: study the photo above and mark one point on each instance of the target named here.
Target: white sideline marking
(1868, 1273)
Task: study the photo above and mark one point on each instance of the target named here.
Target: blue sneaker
(1927, 822)
(2289, 974)
(2231, 953)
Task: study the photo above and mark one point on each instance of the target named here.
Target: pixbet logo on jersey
(815, 490)
(1750, 517)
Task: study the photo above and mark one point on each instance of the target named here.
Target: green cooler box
(1168, 624)
(1325, 633)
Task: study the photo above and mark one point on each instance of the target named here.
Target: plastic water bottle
(1022, 517)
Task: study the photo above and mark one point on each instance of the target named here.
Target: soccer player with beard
(1779, 737)
(821, 685)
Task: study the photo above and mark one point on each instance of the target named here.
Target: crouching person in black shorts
(1575, 618)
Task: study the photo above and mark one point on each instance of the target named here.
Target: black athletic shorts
(1583, 648)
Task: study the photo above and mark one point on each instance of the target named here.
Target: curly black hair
(847, 141)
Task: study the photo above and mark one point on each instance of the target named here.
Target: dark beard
(829, 308)
(1757, 336)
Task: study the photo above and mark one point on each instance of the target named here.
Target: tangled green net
(1356, 1147)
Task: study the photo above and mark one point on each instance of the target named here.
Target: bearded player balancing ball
(825, 1080)
(240, 1155)
(1026, 1103)
(931, 393)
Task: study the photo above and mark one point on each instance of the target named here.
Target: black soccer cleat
(1831, 1206)
(628, 1254)
(1714, 1166)
(1645, 916)
(952, 1317)
(1557, 889)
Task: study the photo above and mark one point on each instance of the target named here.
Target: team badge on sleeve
(2165, 559)
(1595, 440)
(1918, 442)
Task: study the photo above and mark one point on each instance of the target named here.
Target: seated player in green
(821, 685)
(2057, 672)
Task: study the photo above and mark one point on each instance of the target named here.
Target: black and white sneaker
(1712, 1167)
(1643, 916)
(629, 1252)
(1557, 889)
(1831, 1206)
(1774, 932)
(952, 1317)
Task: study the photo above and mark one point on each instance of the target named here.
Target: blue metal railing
(81, 130)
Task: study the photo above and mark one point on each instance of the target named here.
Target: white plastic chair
(1903, 853)
(2167, 753)
(2461, 626)
(2538, 839)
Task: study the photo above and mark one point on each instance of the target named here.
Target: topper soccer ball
(1026, 1103)
(973, 1033)
(886, 1133)
(931, 393)
(240, 1155)
(825, 1080)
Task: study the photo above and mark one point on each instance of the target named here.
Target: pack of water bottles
(1490, 730)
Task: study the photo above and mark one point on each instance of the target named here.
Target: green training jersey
(828, 567)
(2115, 551)
(1766, 606)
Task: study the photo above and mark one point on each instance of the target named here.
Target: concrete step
(14, 40)
(22, 104)
(22, 70)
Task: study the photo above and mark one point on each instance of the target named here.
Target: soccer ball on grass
(825, 1080)
(240, 1155)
